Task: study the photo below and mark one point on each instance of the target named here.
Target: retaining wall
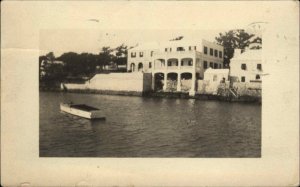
(247, 88)
(241, 88)
(123, 82)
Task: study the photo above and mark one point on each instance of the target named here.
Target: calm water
(149, 127)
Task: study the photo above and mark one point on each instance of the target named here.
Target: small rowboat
(82, 110)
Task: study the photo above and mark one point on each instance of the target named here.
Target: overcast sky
(87, 26)
(79, 40)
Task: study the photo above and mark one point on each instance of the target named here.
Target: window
(244, 67)
(211, 65)
(211, 51)
(216, 53)
(166, 49)
(205, 50)
(220, 54)
(140, 66)
(205, 64)
(190, 48)
(215, 66)
(133, 54)
(215, 78)
(150, 65)
(257, 77)
(180, 49)
(152, 53)
(259, 67)
(190, 62)
(141, 54)
(132, 67)
(243, 79)
(170, 49)
(195, 47)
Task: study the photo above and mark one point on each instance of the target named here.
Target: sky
(81, 26)
(84, 40)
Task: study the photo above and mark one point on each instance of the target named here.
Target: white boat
(82, 110)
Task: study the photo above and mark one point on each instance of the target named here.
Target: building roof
(162, 44)
(182, 42)
(217, 71)
(254, 54)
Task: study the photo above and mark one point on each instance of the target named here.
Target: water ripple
(149, 127)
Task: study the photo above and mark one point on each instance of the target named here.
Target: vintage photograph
(151, 93)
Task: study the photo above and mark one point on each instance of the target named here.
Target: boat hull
(94, 114)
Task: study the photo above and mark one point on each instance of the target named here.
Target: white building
(216, 75)
(175, 61)
(246, 66)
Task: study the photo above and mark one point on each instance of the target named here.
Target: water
(149, 127)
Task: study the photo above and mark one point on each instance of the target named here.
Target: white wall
(148, 58)
(144, 60)
(207, 57)
(249, 74)
(209, 76)
(138, 82)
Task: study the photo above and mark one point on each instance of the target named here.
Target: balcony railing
(175, 53)
(172, 67)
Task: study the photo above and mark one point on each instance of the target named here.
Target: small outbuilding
(216, 75)
(247, 66)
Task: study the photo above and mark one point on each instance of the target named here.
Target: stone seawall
(235, 92)
(199, 96)
(180, 95)
(106, 92)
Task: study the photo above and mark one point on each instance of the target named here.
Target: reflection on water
(149, 127)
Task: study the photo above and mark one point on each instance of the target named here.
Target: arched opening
(132, 67)
(172, 82)
(186, 81)
(140, 67)
(173, 62)
(159, 63)
(187, 62)
(158, 81)
(257, 77)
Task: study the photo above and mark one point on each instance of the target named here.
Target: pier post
(179, 82)
(179, 63)
(192, 90)
(165, 82)
(153, 82)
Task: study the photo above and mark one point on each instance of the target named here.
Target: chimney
(237, 52)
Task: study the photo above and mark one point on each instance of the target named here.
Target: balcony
(175, 54)
(173, 64)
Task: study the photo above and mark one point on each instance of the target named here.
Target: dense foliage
(72, 65)
(235, 39)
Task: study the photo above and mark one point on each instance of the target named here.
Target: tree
(42, 60)
(78, 65)
(51, 73)
(235, 39)
(50, 56)
(121, 55)
(71, 63)
(121, 51)
(105, 56)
